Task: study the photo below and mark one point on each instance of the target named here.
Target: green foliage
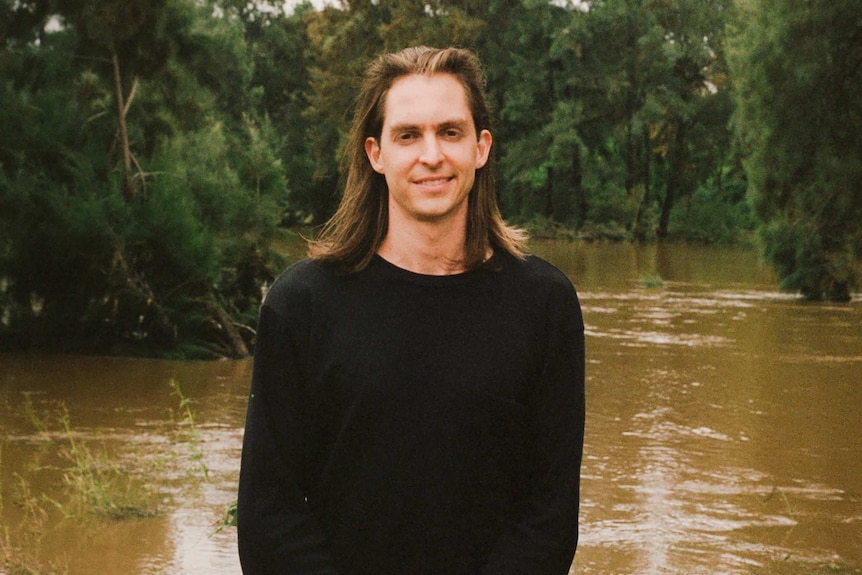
(715, 213)
(797, 71)
(228, 520)
(20, 556)
(150, 150)
(95, 484)
(93, 481)
(196, 465)
(652, 281)
(162, 270)
(281, 77)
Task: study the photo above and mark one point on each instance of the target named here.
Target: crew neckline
(397, 272)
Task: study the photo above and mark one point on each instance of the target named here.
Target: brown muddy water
(724, 433)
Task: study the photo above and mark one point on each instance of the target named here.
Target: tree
(640, 78)
(692, 136)
(174, 267)
(797, 68)
(119, 32)
(282, 83)
(525, 79)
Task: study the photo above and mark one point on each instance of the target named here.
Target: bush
(711, 217)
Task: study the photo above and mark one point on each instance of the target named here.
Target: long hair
(355, 232)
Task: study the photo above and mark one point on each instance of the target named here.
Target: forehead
(426, 99)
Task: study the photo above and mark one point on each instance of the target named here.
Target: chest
(424, 354)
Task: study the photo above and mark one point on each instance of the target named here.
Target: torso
(418, 409)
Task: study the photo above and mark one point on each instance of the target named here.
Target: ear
(372, 150)
(483, 148)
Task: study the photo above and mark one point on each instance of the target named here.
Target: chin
(436, 214)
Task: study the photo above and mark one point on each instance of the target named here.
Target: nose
(432, 154)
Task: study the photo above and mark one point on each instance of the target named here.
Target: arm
(277, 531)
(542, 540)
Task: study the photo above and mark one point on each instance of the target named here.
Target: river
(723, 434)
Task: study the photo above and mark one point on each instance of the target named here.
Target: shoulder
(545, 271)
(542, 287)
(296, 286)
(535, 273)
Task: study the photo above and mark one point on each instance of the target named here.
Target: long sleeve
(277, 532)
(401, 423)
(543, 539)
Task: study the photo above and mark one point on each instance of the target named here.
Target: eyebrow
(408, 127)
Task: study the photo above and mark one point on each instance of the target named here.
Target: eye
(452, 133)
(405, 137)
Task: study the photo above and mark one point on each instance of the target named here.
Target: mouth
(433, 181)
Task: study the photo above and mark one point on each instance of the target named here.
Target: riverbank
(694, 458)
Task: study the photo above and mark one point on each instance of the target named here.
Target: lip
(433, 182)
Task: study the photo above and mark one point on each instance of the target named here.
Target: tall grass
(190, 435)
(20, 555)
(94, 482)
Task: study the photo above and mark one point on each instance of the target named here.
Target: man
(417, 403)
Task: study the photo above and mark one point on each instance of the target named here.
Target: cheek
(471, 182)
(393, 181)
(394, 162)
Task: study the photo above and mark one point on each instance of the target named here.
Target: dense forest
(151, 152)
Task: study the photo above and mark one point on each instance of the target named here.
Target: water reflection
(723, 433)
(126, 409)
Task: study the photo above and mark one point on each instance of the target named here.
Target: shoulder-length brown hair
(354, 233)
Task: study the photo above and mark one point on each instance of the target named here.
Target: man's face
(428, 149)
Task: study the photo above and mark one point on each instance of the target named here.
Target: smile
(434, 181)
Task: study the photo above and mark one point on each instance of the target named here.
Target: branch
(131, 95)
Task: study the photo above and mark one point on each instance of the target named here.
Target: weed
(21, 557)
(39, 423)
(228, 520)
(652, 281)
(192, 435)
(780, 493)
(95, 484)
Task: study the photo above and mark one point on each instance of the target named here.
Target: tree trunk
(128, 183)
(581, 200)
(236, 345)
(677, 164)
(644, 175)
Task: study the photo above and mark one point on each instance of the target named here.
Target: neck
(425, 248)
